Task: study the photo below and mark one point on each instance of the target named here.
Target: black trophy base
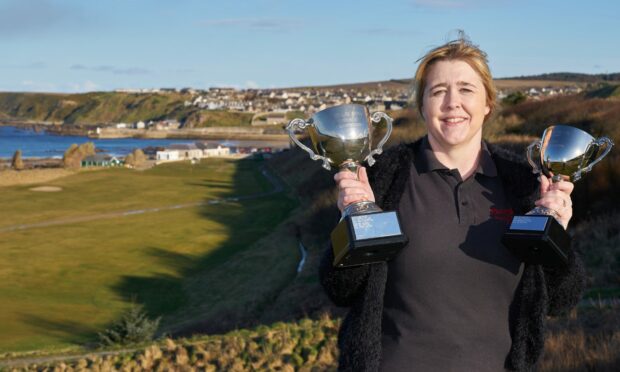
(367, 238)
(538, 240)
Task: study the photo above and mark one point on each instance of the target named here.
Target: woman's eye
(466, 90)
(437, 92)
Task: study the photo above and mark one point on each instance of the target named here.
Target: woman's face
(454, 104)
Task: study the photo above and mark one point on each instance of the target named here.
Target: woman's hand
(351, 189)
(556, 196)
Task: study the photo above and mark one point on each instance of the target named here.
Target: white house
(187, 151)
(167, 155)
(219, 150)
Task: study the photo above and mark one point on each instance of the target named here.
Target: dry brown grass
(31, 176)
(586, 340)
(307, 345)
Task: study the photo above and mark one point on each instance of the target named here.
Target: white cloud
(87, 86)
(37, 86)
(113, 69)
(264, 24)
(250, 84)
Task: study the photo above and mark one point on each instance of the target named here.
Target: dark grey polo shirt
(449, 290)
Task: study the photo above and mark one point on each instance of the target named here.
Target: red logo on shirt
(501, 214)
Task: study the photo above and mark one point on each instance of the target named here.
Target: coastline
(209, 133)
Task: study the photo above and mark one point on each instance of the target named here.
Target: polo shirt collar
(486, 165)
(425, 160)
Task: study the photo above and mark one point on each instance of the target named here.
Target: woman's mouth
(454, 120)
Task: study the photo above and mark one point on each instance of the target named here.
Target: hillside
(587, 339)
(114, 107)
(110, 107)
(571, 77)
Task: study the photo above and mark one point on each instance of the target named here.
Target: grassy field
(60, 285)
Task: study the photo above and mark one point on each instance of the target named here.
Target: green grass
(602, 293)
(113, 107)
(219, 118)
(95, 107)
(61, 284)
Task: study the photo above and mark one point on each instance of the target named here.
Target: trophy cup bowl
(342, 138)
(563, 153)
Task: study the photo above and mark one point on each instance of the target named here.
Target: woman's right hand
(351, 189)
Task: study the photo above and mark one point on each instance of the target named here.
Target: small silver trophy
(563, 153)
(342, 137)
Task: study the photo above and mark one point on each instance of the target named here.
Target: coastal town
(270, 106)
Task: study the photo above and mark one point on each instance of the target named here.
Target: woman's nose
(452, 100)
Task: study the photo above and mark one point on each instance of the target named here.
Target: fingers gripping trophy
(563, 153)
(342, 137)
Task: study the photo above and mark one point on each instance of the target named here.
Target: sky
(84, 45)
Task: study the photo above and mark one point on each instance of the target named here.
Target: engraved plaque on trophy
(563, 153)
(341, 137)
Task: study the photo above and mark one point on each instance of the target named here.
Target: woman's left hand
(556, 196)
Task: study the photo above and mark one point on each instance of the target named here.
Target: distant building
(167, 155)
(215, 151)
(101, 160)
(187, 151)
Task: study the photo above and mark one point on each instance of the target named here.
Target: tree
(514, 98)
(17, 163)
(130, 161)
(134, 326)
(74, 154)
(139, 156)
(136, 158)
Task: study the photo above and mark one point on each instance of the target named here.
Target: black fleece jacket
(542, 291)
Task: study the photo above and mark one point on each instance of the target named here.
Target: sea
(44, 145)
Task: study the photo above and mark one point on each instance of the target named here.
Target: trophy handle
(530, 152)
(603, 142)
(376, 118)
(302, 124)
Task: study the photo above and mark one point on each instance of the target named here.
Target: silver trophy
(342, 137)
(563, 153)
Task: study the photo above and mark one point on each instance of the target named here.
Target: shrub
(133, 327)
(17, 163)
(136, 158)
(74, 154)
(514, 98)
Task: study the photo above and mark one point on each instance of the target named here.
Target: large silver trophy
(563, 153)
(342, 137)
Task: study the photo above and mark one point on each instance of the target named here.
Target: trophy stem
(360, 207)
(351, 166)
(556, 178)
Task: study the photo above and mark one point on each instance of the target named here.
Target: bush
(514, 98)
(136, 158)
(17, 163)
(75, 154)
(133, 327)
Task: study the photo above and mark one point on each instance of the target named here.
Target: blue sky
(82, 45)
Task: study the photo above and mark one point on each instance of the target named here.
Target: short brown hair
(460, 49)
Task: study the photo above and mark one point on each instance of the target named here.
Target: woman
(454, 299)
